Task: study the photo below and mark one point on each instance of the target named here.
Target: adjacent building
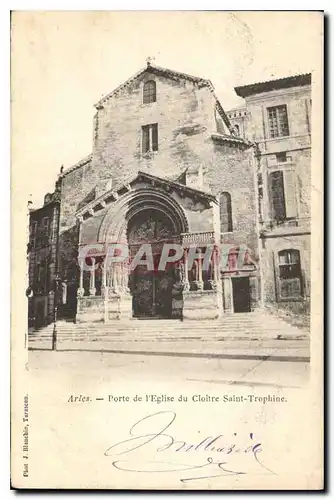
(169, 165)
(43, 259)
(277, 118)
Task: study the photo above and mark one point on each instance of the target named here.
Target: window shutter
(276, 187)
(226, 224)
(290, 194)
(46, 222)
(45, 231)
(283, 121)
(155, 137)
(33, 231)
(145, 139)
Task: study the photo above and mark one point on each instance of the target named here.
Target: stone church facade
(167, 166)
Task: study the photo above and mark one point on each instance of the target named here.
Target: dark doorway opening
(40, 317)
(151, 289)
(71, 301)
(152, 293)
(241, 295)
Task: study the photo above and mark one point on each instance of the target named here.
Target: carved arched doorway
(150, 287)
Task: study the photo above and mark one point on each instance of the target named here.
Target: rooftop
(150, 68)
(176, 75)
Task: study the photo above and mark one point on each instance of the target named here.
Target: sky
(63, 62)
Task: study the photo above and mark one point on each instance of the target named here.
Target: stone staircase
(258, 326)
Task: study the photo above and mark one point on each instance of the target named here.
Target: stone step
(244, 320)
(225, 318)
(250, 326)
(115, 328)
(169, 339)
(131, 336)
(177, 328)
(158, 327)
(171, 333)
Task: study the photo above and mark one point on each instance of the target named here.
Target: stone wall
(270, 270)
(297, 100)
(187, 117)
(295, 163)
(231, 169)
(185, 114)
(44, 255)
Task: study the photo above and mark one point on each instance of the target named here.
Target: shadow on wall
(68, 250)
(294, 313)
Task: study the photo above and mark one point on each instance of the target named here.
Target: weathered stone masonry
(284, 211)
(195, 170)
(196, 148)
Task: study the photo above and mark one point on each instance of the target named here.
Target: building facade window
(45, 230)
(42, 283)
(225, 205)
(33, 232)
(283, 195)
(289, 264)
(289, 274)
(42, 233)
(278, 121)
(149, 92)
(150, 138)
(281, 157)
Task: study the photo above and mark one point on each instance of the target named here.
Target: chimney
(103, 186)
(194, 177)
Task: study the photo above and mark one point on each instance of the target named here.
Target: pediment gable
(141, 181)
(151, 69)
(172, 75)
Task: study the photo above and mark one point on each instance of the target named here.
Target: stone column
(214, 278)
(186, 287)
(92, 289)
(218, 275)
(117, 277)
(81, 290)
(104, 273)
(200, 284)
(228, 294)
(120, 274)
(124, 297)
(111, 280)
(125, 277)
(217, 282)
(63, 293)
(105, 289)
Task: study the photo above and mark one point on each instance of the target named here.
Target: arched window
(289, 275)
(225, 203)
(149, 92)
(237, 129)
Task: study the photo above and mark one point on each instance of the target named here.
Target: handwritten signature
(151, 430)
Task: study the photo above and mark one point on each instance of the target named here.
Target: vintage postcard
(167, 242)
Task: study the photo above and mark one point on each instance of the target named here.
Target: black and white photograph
(167, 174)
